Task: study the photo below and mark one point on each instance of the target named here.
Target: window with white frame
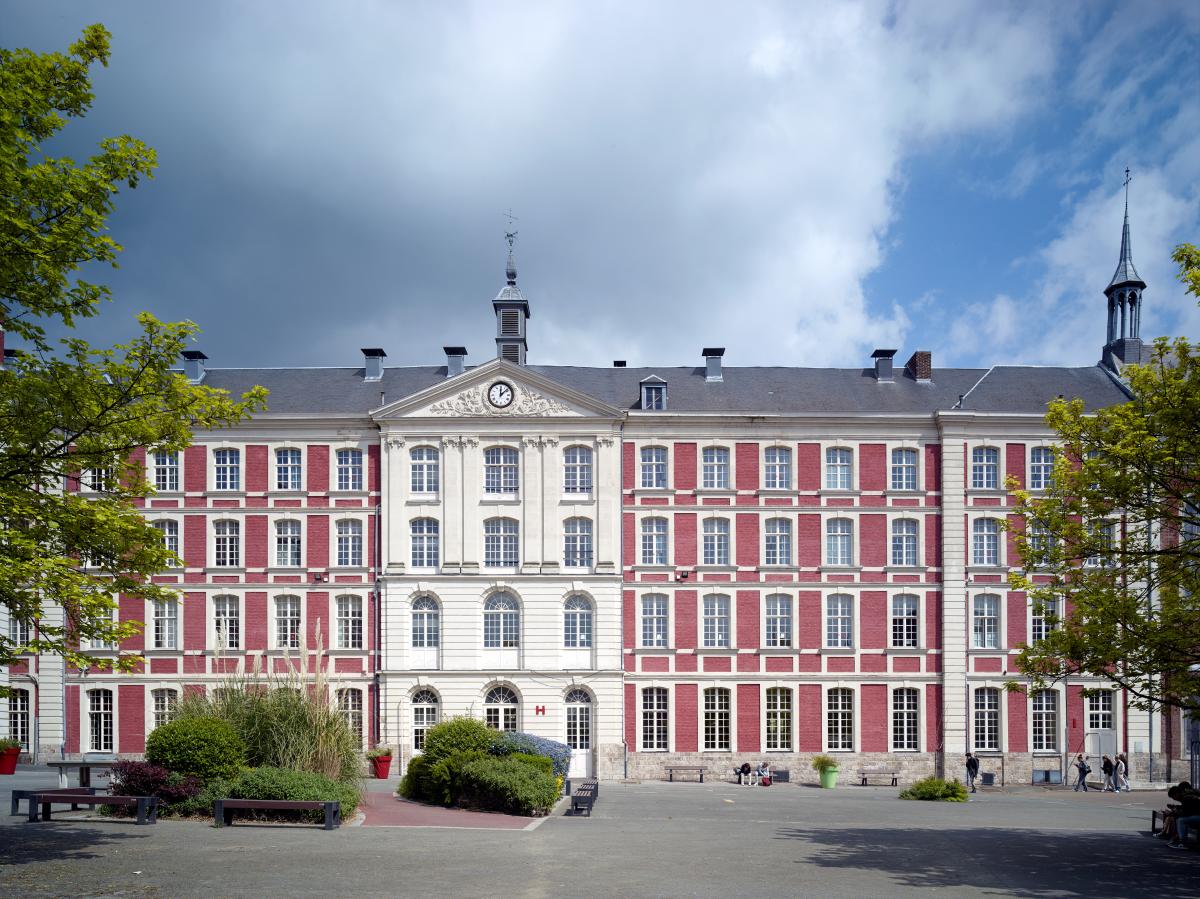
(227, 544)
(1101, 536)
(349, 622)
(227, 622)
(656, 719)
(577, 623)
(1045, 721)
(500, 708)
(425, 474)
(109, 617)
(1040, 544)
(425, 549)
(778, 542)
(165, 701)
(19, 632)
(904, 469)
(777, 468)
(426, 713)
(779, 719)
(577, 543)
(839, 541)
(654, 620)
(987, 719)
(905, 621)
(716, 718)
(1041, 467)
(287, 622)
(779, 620)
(426, 623)
(350, 707)
(839, 718)
(100, 720)
(165, 467)
(349, 543)
(165, 614)
(654, 541)
(500, 470)
(287, 544)
(577, 469)
(905, 719)
(500, 549)
(985, 542)
(18, 718)
(716, 621)
(579, 719)
(98, 479)
(287, 469)
(904, 542)
(1044, 618)
(716, 541)
(169, 530)
(227, 469)
(1100, 710)
(985, 468)
(654, 467)
(349, 469)
(985, 621)
(654, 397)
(715, 468)
(839, 468)
(501, 622)
(839, 621)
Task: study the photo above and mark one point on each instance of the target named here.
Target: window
(577, 543)
(779, 542)
(1044, 619)
(779, 620)
(349, 543)
(716, 718)
(905, 609)
(839, 541)
(287, 544)
(1040, 545)
(985, 542)
(577, 623)
(838, 469)
(166, 623)
(227, 469)
(1045, 721)
(654, 620)
(227, 622)
(577, 469)
(1101, 536)
(425, 475)
(716, 541)
(100, 720)
(985, 622)
(165, 702)
(839, 621)
(501, 622)
(500, 709)
(19, 632)
(777, 474)
(715, 468)
(108, 618)
(500, 470)
(349, 622)
(228, 544)
(779, 719)
(425, 715)
(287, 622)
(500, 543)
(287, 469)
(98, 480)
(1100, 710)
(905, 719)
(425, 624)
(1041, 467)
(654, 541)
(349, 469)
(716, 621)
(18, 718)
(654, 467)
(839, 718)
(579, 719)
(350, 707)
(904, 542)
(165, 464)
(655, 719)
(424, 543)
(904, 469)
(987, 719)
(170, 537)
(654, 397)
(985, 468)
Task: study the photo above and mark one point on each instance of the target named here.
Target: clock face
(500, 394)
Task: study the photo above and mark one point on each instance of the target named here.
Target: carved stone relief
(473, 402)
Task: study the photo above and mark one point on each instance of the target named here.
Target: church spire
(1124, 292)
(1126, 273)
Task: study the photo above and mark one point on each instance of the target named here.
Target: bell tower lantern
(1123, 343)
(512, 312)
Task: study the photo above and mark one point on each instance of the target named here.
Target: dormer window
(654, 394)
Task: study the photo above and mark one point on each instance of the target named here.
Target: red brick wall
(873, 619)
(195, 470)
(318, 468)
(628, 465)
(933, 466)
(257, 541)
(318, 619)
(1074, 712)
(193, 620)
(631, 549)
(132, 609)
(872, 532)
(685, 718)
(747, 619)
(808, 541)
(872, 473)
(195, 540)
(685, 538)
(254, 622)
(1018, 722)
(685, 466)
(631, 717)
(131, 717)
(933, 541)
(1016, 619)
(685, 619)
(747, 718)
(808, 619)
(874, 717)
(318, 541)
(1017, 523)
(747, 539)
(72, 722)
(629, 619)
(258, 469)
(1014, 462)
(809, 719)
(373, 467)
(933, 619)
(747, 466)
(933, 717)
(808, 466)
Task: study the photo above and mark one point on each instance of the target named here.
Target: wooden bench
(671, 769)
(877, 771)
(584, 796)
(18, 795)
(147, 806)
(223, 809)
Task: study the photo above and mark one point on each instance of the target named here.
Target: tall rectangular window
(716, 622)
(349, 469)
(165, 702)
(287, 622)
(1040, 545)
(904, 542)
(777, 472)
(500, 543)
(19, 632)
(287, 469)
(170, 537)
(500, 465)
(654, 620)
(349, 622)
(985, 542)
(655, 719)
(779, 621)
(715, 468)
(839, 541)
(577, 543)
(425, 539)
(166, 624)
(1045, 721)
(985, 468)
(839, 718)
(985, 622)
(227, 622)
(839, 469)
(987, 719)
(778, 542)
(654, 397)
(654, 541)
(166, 470)
(839, 621)
(905, 611)
(779, 719)
(716, 541)
(1100, 710)
(1101, 538)
(426, 707)
(425, 469)
(577, 469)
(904, 469)
(654, 467)
(350, 707)
(100, 720)
(426, 623)
(716, 718)
(905, 719)
(18, 718)
(1044, 619)
(287, 544)
(1041, 467)
(228, 544)
(227, 469)
(349, 543)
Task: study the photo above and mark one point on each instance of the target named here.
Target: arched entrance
(579, 732)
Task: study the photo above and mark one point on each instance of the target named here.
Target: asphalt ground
(650, 839)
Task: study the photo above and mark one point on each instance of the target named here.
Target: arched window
(165, 702)
(100, 720)
(227, 622)
(287, 469)
(904, 542)
(716, 718)
(654, 541)
(425, 715)
(716, 541)
(228, 544)
(577, 623)
(500, 708)
(18, 717)
(500, 543)
(350, 707)
(577, 543)
(577, 469)
(985, 541)
(287, 544)
(425, 474)
(349, 469)
(839, 468)
(426, 626)
(501, 622)
(579, 719)
(985, 468)
(170, 537)
(349, 543)
(500, 469)
(779, 542)
(839, 541)
(425, 549)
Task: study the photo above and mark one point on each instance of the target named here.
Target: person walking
(972, 770)
(1082, 766)
(1120, 770)
(1107, 768)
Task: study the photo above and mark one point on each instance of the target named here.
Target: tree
(72, 414)
(1117, 533)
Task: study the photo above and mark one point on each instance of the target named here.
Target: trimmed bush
(417, 783)
(532, 744)
(201, 805)
(201, 747)
(507, 785)
(460, 734)
(934, 789)
(279, 783)
(537, 762)
(445, 775)
(146, 779)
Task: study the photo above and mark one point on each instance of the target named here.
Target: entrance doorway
(579, 732)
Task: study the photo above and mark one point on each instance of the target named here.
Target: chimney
(455, 360)
(920, 365)
(373, 363)
(712, 363)
(883, 365)
(618, 363)
(193, 365)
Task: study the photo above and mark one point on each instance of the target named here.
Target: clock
(500, 394)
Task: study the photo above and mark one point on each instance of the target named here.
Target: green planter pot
(829, 778)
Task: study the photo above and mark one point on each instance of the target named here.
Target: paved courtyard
(652, 839)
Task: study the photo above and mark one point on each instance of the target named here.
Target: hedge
(531, 744)
(934, 789)
(459, 734)
(201, 747)
(507, 785)
(280, 783)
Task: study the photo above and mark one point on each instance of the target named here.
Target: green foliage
(1187, 257)
(508, 785)
(280, 783)
(459, 734)
(203, 747)
(934, 789)
(542, 763)
(823, 762)
(6, 743)
(445, 776)
(519, 741)
(200, 805)
(380, 752)
(417, 782)
(146, 779)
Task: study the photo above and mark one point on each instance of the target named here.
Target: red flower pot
(382, 765)
(8, 760)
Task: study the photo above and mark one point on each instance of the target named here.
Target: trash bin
(987, 779)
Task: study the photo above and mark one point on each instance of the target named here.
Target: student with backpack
(1084, 770)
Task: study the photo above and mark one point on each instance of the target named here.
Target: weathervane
(1128, 178)
(510, 235)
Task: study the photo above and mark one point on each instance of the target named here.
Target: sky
(797, 182)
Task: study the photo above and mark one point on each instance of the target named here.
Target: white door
(579, 732)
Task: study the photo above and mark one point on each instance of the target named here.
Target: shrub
(507, 785)
(445, 776)
(417, 783)
(542, 763)
(201, 805)
(934, 789)
(824, 762)
(6, 743)
(380, 752)
(531, 744)
(279, 783)
(146, 779)
(203, 747)
(460, 734)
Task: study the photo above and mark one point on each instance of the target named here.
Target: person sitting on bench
(743, 772)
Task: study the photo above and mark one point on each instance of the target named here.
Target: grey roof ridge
(1116, 379)
(962, 399)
